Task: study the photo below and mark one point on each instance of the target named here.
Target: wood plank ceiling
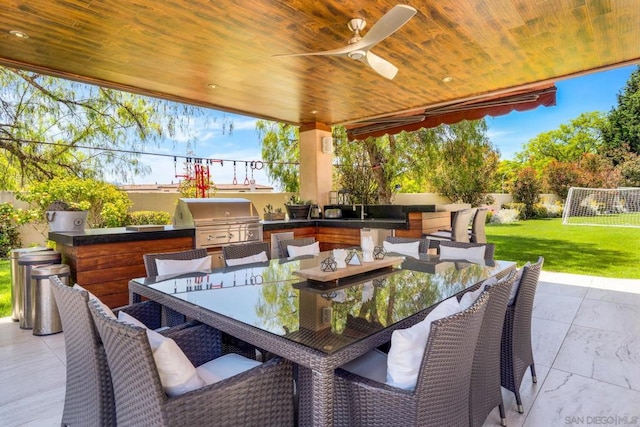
(176, 49)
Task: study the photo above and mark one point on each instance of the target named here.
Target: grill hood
(214, 211)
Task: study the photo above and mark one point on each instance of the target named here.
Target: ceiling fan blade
(381, 66)
(391, 22)
(342, 51)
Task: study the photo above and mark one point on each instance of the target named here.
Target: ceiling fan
(359, 47)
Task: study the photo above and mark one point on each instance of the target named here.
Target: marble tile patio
(586, 340)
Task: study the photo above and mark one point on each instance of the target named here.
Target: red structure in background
(197, 172)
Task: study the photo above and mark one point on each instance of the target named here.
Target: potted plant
(63, 216)
(298, 208)
(273, 214)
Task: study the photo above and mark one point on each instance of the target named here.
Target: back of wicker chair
(489, 248)
(260, 396)
(516, 352)
(485, 393)
(245, 249)
(478, 234)
(89, 395)
(441, 396)
(302, 241)
(423, 247)
(150, 259)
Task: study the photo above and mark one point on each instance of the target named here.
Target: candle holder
(328, 264)
(379, 252)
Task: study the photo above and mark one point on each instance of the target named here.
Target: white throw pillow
(372, 365)
(516, 284)
(177, 373)
(296, 251)
(129, 319)
(92, 297)
(410, 248)
(469, 298)
(474, 253)
(225, 367)
(178, 266)
(261, 257)
(408, 346)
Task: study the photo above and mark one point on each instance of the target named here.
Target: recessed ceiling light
(314, 111)
(447, 79)
(212, 86)
(19, 34)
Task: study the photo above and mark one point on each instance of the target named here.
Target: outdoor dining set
(428, 339)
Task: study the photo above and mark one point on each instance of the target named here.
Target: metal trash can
(46, 319)
(27, 263)
(16, 278)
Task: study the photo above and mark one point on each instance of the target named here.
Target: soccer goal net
(616, 207)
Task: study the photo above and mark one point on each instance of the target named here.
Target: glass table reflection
(318, 326)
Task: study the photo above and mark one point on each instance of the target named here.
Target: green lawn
(597, 251)
(5, 288)
(591, 250)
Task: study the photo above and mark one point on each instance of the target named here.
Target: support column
(316, 166)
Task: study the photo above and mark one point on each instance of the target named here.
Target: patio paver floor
(586, 340)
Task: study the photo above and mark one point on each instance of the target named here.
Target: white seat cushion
(516, 284)
(179, 266)
(409, 248)
(469, 298)
(261, 257)
(225, 367)
(372, 365)
(296, 251)
(92, 297)
(408, 346)
(473, 254)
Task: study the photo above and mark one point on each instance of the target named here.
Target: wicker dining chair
(302, 241)
(441, 395)
(485, 392)
(89, 397)
(489, 248)
(262, 395)
(516, 352)
(423, 247)
(459, 228)
(244, 250)
(477, 233)
(150, 259)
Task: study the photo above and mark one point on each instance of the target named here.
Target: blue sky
(592, 92)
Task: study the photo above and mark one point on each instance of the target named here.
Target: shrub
(108, 204)
(10, 220)
(505, 216)
(548, 210)
(526, 190)
(148, 217)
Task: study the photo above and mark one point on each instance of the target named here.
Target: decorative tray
(333, 277)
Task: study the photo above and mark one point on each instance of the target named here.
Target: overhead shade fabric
(491, 105)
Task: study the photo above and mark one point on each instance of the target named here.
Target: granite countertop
(117, 235)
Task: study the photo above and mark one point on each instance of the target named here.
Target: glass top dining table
(317, 325)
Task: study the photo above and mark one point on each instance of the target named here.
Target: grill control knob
(250, 234)
(231, 235)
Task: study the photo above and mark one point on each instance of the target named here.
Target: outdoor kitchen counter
(104, 260)
(118, 235)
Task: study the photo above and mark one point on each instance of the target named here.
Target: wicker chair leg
(534, 377)
(503, 415)
(519, 402)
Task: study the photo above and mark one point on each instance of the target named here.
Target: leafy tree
(466, 162)
(46, 123)
(568, 143)
(624, 120)
(592, 170)
(526, 189)
(107, 205)
(281, 153)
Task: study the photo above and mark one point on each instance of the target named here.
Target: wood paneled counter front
(104, 260)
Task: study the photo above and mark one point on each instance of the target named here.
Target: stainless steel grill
(219, 221)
